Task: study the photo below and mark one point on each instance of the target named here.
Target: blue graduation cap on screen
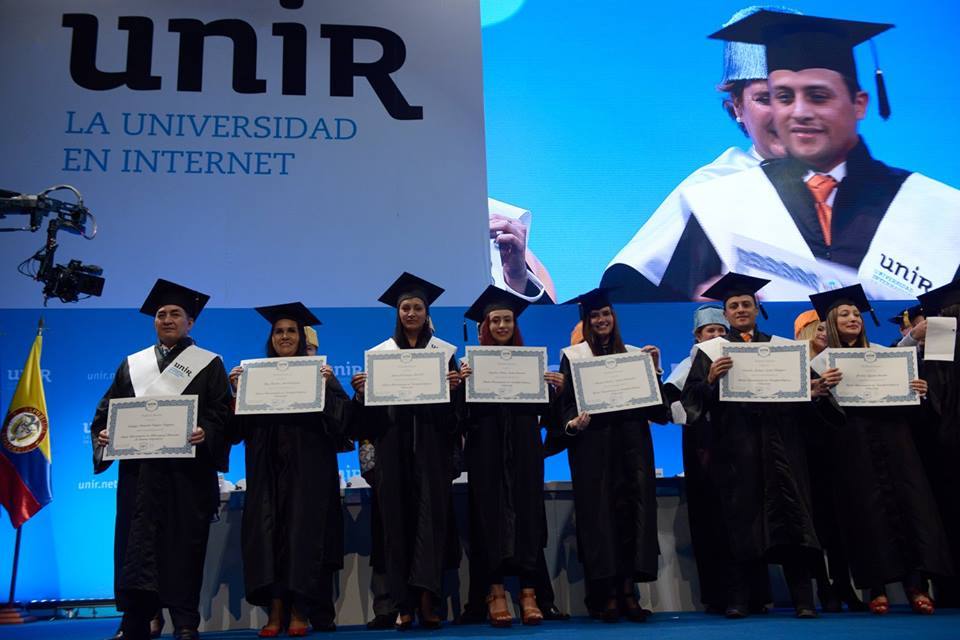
(743, 60)
(795, 42)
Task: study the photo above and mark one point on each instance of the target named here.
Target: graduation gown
(504, 457)
(862, 200)
(292, 530)
(415, 450)
(614, 487)
(164, 506)
(759, 466)
(886, 507)
(942, 432)
(703, 501)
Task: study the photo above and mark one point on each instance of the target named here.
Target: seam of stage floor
(779, 625)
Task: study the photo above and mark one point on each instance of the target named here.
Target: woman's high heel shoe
(880, 605)
(530, 612)
(920, 602)
(499, 617)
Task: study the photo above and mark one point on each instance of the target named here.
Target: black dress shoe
(805, 613)
(736, 612)
(324, 626)
(186, 634)
(382, 621)
(551, 612)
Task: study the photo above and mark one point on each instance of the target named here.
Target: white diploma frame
(151, 427)
(281, 385)
(615, 383)
(405, 376)
(767, 372)
(874, 377)
(507, 374)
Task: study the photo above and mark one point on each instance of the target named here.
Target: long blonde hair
(833, 336)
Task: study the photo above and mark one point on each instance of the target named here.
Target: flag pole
(13, 573)
(10, 613)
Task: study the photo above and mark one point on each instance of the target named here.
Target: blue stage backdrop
(67, 547)
(584, 115)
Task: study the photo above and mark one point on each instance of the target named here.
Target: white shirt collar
(838, 173)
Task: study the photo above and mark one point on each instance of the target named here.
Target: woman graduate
(888, 516)
(292, 530)
(808, 326)
(612, 468)
(504, 457)
(415, 447)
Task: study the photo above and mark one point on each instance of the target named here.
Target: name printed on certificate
(281, 385)
(874, 377)
(767, 372)
(507, 374)
(151, 427)
(406, 376)
(616, 382)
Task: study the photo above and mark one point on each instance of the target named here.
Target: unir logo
(138, 74)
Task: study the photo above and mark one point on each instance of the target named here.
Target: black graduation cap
(410, 286)
(165, 292)
(737, 284)
(492, 299)
(592, 300)
(911, 314)
(795, 42)
(852, 295)
(295, 311)
(934, 301)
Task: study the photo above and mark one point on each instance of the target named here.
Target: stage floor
(780, 625)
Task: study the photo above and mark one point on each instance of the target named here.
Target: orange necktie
(746, 336)
(821, 186)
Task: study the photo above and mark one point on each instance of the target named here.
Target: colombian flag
(25, 445)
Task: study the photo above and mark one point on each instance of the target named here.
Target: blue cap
(709, 314)
(742, 60)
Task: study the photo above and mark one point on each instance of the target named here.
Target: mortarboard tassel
(874, 316)
(906, 318)
(883, 100)
(763, 311)
(464, 329)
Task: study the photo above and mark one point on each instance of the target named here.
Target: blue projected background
(594, 111)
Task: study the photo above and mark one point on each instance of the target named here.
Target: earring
(739, 120)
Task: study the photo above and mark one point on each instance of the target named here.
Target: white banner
(252, 151)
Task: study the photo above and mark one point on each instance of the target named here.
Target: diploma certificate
(406, 376)
(281, 385)
(767, 372)
(615, 383)
(507, 374)
(874, 377)
(151, 427)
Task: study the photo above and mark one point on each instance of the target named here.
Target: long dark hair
(616, 342)
(833, 336)
(486, 337)
(301, 344)
(426, 331)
